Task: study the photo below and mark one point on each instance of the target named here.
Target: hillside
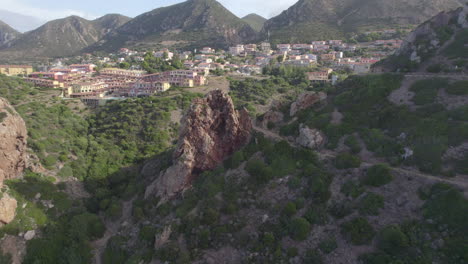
(7, 34)
(62, 37)
(438, 45)
(255, 21)
(193, 23)
(325, 19)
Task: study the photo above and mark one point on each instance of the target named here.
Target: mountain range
(326, 19)
(20, 22)
(197, 23)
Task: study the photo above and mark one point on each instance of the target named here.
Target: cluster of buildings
(84, 82)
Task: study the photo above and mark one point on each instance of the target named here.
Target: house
(207, 50)
(236, 50)
(47, 83)
(319, 76)
(328, 57)
(265, 47)
(86, 87)
(83, 67)
(284, 47)
(12, 70)
(121, 72)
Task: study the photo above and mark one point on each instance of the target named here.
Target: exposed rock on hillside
(7, 209)
(7, 34)
(13, 134)
(211, 131)
(306, 100)
(310, 138)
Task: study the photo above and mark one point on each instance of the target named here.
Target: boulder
(7, 209)
(310, 138)
(306, 100)
(29, 235)
(211, 131)
(13, 135)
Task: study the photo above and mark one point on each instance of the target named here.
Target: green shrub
(370, 204)
(328, 245)
(289, 209)
(458, 88)
(316, 215)
(392, 240)
(353, 143)
(376, 258)
(426, 90)
(352, 189)
(259, 171)
(347, 161)
(378, 175)
(299, 229)
(3, 115)
(358, 231)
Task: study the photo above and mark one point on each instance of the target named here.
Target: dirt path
(328, 154)
(112, 229)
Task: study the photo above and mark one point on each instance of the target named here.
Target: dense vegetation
(92, 148)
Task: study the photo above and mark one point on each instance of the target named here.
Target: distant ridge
(327, 19)
(255, 21)
(63, 37)
(193, 23)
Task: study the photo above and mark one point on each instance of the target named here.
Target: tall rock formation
(211, 131)
(13, 135)
(13, 156)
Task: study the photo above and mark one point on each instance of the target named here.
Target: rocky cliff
(13, 136)
(13, 156)
(211, 131)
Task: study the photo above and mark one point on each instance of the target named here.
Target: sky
(90, 9)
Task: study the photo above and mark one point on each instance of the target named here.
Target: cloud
(42, 13)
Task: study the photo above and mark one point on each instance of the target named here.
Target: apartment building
(47, 83)
(12, 70)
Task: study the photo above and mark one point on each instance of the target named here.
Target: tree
(378, 175)
(392, 240)
(299, 229)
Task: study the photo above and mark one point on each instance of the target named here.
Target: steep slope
(255, 21)
(63, 37)
(437, 45)
(20, 22)
(191, 23)
(7, 34)
(320, 19)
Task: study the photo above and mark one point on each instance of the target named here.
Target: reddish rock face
(211, 131)
(13, 136)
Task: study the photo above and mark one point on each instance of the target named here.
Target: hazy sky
(52, 9)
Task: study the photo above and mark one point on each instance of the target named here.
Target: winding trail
(328, 154)
(112, 229)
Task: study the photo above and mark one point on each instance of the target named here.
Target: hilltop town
(97, 79)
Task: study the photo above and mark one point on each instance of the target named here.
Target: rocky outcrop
(310, 138)
(211, 131)
(272, 117)
(7, 209)
(306, 100)
(13, 135)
